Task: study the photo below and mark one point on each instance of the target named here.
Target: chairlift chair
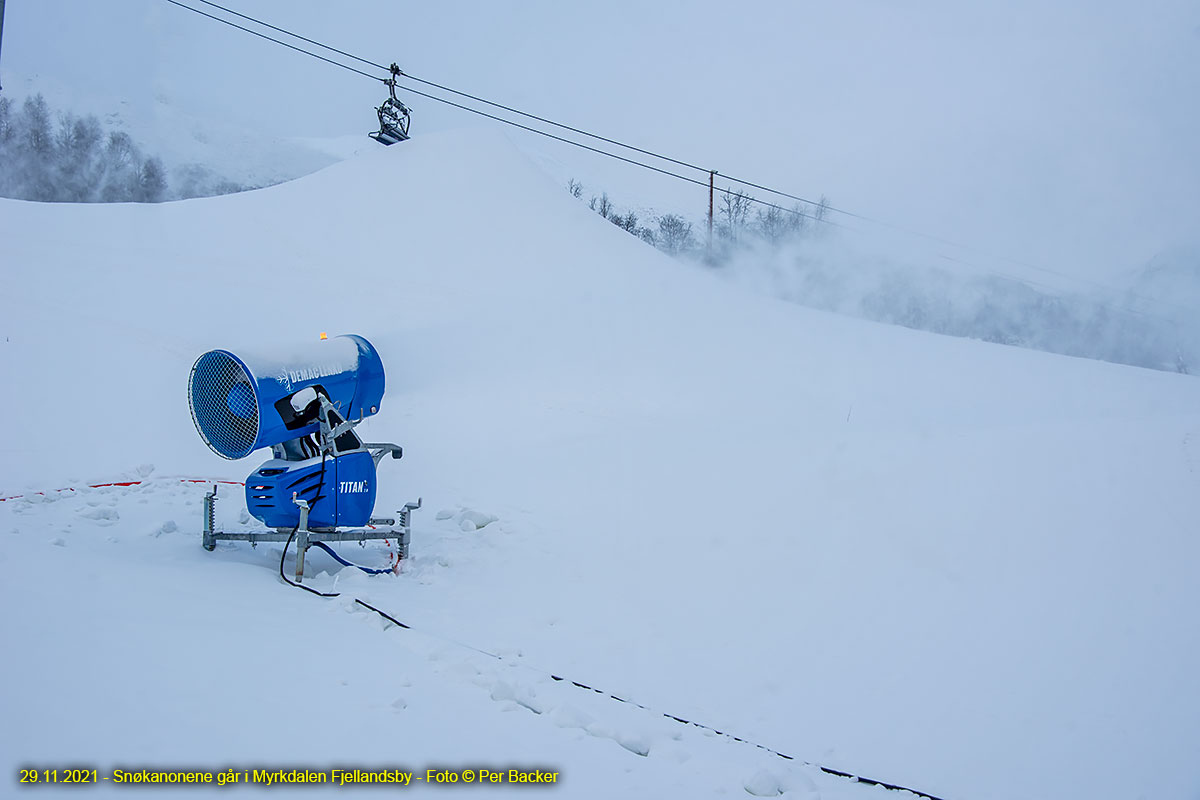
(393, 115)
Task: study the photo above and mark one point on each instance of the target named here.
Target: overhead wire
(545, 120)
(420, 93)
(278, 29)
(521, 113)
(273, 39)
(467, 95)
(821, 205)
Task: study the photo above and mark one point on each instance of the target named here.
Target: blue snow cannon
(303, 405)
(242, 404)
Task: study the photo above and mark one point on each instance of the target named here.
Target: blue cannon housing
(340, 491)
(241, 404)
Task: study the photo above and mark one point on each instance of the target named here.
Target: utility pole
(1, 25)
(711, 175)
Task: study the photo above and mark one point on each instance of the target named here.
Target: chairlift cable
(444, 100)
(285, 31)
(491, 103)
(727, 178)
(277, 41)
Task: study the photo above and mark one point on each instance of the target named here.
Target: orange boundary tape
(119, 483)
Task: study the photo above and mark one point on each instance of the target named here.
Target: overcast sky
(1062, 133)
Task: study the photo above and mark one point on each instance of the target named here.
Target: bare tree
(774, 224)
(605, 208)
(6, 123)
(575, 188)
(734, 210)
(151, 181)
(799, 220)
(120, 159)
(820, 210)
(629, 222)
(37, 125)
(77, 167)
(674, 235)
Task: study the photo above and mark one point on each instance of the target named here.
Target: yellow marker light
(324, 335)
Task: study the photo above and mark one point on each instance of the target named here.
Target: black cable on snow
(681, 720)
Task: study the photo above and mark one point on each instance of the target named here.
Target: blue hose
(346, 563)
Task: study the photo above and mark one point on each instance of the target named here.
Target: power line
(730, 179)
(469, 96)
(560, 125)
(580, 131)
(541, 119)
(519, 112)
(273, 39)
(440, 99)
(285, 31)
(558, 138)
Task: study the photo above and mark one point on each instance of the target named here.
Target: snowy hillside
(197, 152)
(963, 568)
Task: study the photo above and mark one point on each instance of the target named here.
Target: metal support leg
(301, 549)
(402, 540)
(405, 534)
(210, 502)
(301, 537)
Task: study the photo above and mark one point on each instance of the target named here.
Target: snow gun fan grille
(224, 404)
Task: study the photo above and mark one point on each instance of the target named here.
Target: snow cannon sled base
(398, 528)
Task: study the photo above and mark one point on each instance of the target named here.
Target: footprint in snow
(102, 516)
(471, 520)
(634, 743)
(764, 784)
(772, 783)
(468, 519)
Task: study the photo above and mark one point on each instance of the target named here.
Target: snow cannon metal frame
(320, 483)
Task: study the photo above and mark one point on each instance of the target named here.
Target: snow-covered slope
(197, 151)
(959, 567)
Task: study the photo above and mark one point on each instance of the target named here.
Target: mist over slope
(202, 155)
(807, 255)
(1150, 319)
(944, 563)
